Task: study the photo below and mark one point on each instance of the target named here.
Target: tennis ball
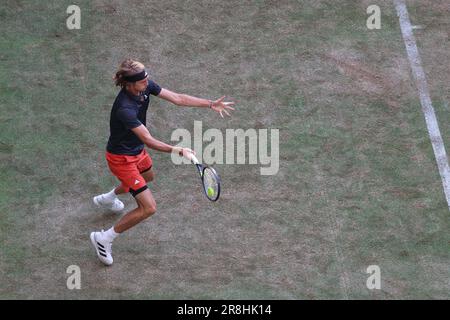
(210, 192)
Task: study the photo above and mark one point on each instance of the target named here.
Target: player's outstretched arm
(180, 99)
(144, 135)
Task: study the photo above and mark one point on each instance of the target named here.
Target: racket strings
(210, 180)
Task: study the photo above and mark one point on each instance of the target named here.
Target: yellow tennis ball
(210, 192)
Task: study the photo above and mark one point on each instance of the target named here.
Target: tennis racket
(210, 179)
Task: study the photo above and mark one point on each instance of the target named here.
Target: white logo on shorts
(136, 182)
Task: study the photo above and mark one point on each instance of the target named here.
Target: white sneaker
(116, 205)
(102, 247)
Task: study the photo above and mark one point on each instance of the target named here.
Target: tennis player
(125, 153)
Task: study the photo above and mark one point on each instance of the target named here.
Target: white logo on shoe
(136, 181)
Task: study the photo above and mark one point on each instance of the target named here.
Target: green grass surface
(358, 183)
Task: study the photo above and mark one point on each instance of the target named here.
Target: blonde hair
(127, 68)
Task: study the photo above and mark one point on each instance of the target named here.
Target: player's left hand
(222, 107)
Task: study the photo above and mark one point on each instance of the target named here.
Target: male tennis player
(127, 159)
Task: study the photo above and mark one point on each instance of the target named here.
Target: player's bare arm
(144, 135)
(180, 99)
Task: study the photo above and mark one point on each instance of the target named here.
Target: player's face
(141, 84)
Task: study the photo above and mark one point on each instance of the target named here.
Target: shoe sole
(94, 243)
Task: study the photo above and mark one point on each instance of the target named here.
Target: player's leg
(110, 200)
(119, 166)
(132, 180)
(148, 175)
(146, 207)
(102, 241)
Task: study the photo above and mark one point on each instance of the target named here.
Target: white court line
(425, 100)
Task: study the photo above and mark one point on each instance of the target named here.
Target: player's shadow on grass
(104, 216)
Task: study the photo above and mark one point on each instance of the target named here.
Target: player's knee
(148, 210)
(150, 177)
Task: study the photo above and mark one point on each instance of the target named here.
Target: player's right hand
(185, 152)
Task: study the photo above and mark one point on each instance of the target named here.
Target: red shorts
(128, 170)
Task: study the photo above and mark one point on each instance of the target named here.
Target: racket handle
(194, 159)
